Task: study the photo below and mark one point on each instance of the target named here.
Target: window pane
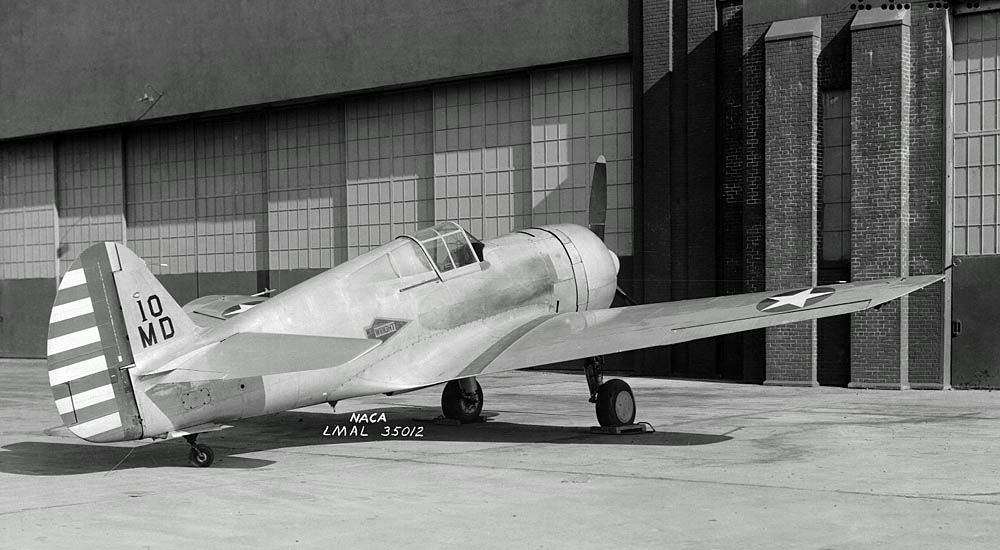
(975, 209)
(831, 247)
(832, 186)
(460, 250)
(409, 260)
(832, 217)
(837, 180)
(439, 253)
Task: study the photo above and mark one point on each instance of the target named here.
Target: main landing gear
(462, 400)
(201, 455)
(614, 401)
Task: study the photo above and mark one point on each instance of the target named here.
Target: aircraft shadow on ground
(310, 429)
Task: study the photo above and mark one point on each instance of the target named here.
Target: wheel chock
(628, 429)
(445, 421)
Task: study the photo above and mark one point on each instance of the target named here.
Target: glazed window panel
(836, 198)
(89, 193)
(161, 210)
(482, 154)
(306, 192)
(389, 165)
(577, 114)
(230, 205)
(974, 176)
(27, 213)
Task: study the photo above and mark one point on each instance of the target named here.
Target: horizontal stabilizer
(260, 354)
(208, 311)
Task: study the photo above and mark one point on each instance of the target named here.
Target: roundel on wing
(794, 299)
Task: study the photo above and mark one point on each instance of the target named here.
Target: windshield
(448, 246)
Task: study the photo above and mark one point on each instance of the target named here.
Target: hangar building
(752, 145)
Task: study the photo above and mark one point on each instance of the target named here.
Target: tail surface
(109, 314)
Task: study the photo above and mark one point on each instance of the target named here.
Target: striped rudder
(88, 351)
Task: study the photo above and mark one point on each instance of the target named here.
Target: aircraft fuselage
(428, 320)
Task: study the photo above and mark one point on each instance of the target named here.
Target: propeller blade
(599, 197)
(628, 299)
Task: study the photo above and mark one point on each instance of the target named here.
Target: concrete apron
(730, 466)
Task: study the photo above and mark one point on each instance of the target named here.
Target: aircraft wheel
(201, 455)
(615, 404)
(457, 405)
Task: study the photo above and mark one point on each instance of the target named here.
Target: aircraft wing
(577, 335)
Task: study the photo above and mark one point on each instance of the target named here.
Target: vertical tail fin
(97, 333)
(155, 322)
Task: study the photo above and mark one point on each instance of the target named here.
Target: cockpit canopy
(443, 250)
(448, 246)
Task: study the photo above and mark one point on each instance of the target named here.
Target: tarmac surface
(729, 466)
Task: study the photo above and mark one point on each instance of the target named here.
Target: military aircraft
(438, 306)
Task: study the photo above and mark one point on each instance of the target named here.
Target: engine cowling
(595, 267)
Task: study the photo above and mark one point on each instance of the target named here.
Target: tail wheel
(201, 455)
(615, 404)
(459, 405)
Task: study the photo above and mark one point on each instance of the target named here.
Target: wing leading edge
(577, 335)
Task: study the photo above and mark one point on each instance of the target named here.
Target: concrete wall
(69, 65)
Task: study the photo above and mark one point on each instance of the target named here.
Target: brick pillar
(753, 189)
(880, 103)
(731, 180)
(656, 52)
(791, 133)
(929, 351)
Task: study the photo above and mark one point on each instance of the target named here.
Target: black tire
(201, 456)
(615, 404)
(455, 404)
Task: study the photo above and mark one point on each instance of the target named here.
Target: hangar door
(975, 302)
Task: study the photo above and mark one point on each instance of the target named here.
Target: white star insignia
(798, 299)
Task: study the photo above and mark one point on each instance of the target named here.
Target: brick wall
(791, 133)
(926, 199)
(680, 167)
(879, 198)
(833, 335)
(753, 187)
(655, 155)
(695, 162)
(731, 196)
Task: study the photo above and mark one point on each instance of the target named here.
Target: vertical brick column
(880, 101)
(655, 155)
(791, 139)
(731, 175)
(753, 189)
(929, 351)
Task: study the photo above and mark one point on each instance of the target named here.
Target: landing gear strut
(593, 367)
(462, 400)
(201, 455)
(614, 401)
